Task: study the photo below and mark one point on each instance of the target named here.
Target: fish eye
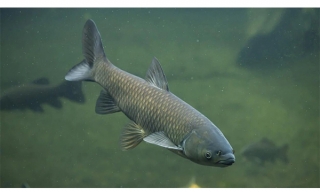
(233, 151)
(219, 153)
(208, 155)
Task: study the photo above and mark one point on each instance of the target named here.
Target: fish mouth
(225, 163)
(228, 160)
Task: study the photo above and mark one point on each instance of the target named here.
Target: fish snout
(227, 160)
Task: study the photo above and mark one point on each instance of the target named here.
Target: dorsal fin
(156, 76)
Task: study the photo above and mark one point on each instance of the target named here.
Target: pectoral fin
(160, 139)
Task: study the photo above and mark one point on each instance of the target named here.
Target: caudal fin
(93, 52)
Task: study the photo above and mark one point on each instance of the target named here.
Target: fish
(156, 115)
(33, 95)
(264, 151)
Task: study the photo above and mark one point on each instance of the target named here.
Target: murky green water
(254, 73)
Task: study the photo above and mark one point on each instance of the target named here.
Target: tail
(93, 52)
(283, 153)
(72, 91)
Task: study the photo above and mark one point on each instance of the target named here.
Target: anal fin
(105, 104)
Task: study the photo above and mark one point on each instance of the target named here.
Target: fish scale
(157, 115)
(153, 104)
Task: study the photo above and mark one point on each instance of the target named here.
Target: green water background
(198, 50)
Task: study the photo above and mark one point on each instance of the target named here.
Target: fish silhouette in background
(33, 95)
(157, 115)
(265, 151)
(277, 38)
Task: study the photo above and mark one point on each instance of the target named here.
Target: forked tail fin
(93, 52)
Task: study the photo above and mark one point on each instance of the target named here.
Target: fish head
(206, 145)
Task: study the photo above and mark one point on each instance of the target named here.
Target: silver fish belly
(157, 115)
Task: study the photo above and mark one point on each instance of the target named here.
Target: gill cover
(192, 146)
(208, 146)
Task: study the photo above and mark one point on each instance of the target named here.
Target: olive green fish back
(152, 108)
